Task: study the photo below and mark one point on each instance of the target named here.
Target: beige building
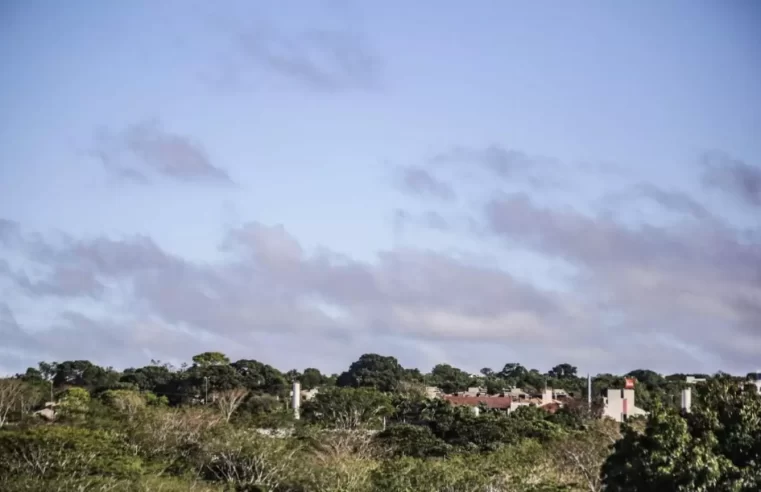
(620, 404)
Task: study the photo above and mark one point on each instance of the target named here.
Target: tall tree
(311, 378)
(450, 379)
(210, 359)
(563, 371)
(513, 372)
(375, 371)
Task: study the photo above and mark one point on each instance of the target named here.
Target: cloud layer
(680, 296)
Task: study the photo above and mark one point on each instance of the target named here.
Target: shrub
(61, 452)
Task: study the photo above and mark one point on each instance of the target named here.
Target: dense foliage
(222, 425)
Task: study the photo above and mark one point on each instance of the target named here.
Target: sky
(445, 182)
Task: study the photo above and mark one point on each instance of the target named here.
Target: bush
(64, 452)
(413, 440)
(245, 458)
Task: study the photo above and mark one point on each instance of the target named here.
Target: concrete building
(620, 404)
(693, 380)
(687, 399)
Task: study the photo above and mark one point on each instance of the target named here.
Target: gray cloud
(509, 165)
(697, 284)
(145, 149)
(271, 286)
(732, 176)
(332, 53)
(321, 59)
(672, 200)
(419, 181)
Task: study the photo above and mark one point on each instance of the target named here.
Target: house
(545, 401)
(496, 402)
(432, 392)
(619, 405)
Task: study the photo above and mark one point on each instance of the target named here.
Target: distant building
(620, 404)
(694, 380)
(507, 401)
(496, 402)
(432, 392)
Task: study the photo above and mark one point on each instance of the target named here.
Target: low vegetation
(222, 426)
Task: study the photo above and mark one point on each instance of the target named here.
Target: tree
(260, 378)
(348, 408)
(56, 452)
(563, 371)
(450, 379)
(487, 372)
(11, 394)
(311, 378)
(246, 460)
(513, 373)
(374, 371)
(149, 378)
(210, 359)
(229, 401)
(74, 401)
(716, 447)
(125, 401)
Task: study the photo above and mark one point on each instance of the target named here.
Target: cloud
(696, 284)
(418, 181)
(682, 204)
(732, 176)
(270, 286)
(331, 53)
(319, 59)
(146, 149)
(509, 165)
(680, 295)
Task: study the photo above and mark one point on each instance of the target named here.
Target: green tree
(417, 441)
(450, 379)
(59, 451)
(717, 447)
(374, 371)
(210, 359)
(311, 378)
(84, 373)
(513, 373)
(74, 401)
(563, 371)
(348, 408)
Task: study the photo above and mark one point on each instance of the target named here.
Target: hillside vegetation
(218, 425)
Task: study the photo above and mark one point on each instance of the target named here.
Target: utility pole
(206, 390)
(589, 392)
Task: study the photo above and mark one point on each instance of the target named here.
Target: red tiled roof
(501, 402)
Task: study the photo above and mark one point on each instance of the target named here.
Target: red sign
(629, 383)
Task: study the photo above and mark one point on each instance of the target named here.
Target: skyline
(471, 185)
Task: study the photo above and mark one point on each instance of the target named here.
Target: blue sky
(574, 165)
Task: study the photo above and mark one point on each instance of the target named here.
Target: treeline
(222, 425)
(212, 372)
